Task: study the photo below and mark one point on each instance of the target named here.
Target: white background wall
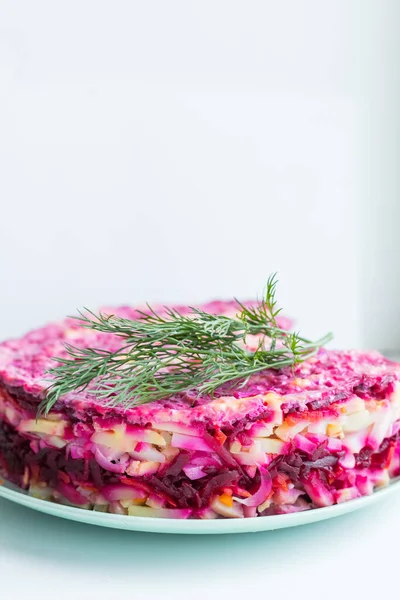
(169, 150)
(177, 151)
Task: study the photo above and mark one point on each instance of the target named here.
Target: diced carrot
(220, 436)
(390, 455)
(63, 476)
(135, 483)
(89, 488)
(226, 499)
(35, 473)
(331, 478)
(281, 481)
(311, 416)
(299, 382)
(292, 420)
(241, 492)
(139, 501)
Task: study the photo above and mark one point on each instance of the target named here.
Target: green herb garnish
(164, 355)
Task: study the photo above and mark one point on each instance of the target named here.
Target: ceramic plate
(10, 492)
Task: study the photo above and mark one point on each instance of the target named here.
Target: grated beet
(380, 459)
(178, 490)
(215, 484)
(175, 467)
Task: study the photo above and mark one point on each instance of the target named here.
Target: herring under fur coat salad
(215, 411)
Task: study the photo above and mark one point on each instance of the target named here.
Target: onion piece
(105, 457)
(193, 472)
(189, 442)
(250, 511)
(77, 448)
(222, 452)
(263, 491)
(303, 443)
(205, 460)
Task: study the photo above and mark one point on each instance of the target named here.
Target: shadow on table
(58, 541)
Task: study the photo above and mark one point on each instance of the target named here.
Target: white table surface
(354, 556)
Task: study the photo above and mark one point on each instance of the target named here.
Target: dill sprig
(163, 355)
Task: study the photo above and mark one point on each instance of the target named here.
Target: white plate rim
(187, 526)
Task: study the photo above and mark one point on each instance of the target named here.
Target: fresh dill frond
(164, 355)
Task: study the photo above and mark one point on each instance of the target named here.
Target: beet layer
(323, 432)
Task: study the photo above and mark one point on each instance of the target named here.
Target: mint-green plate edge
(180, 526)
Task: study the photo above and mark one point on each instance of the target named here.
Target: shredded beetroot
(175, 467)
(363, 458)
(95, 472)
(316, 472)
(240, 424)
(263, 492)
(233, 442)
(320, 451)
(321, 463)
(380, 459)
(215, 484)
(222, 452)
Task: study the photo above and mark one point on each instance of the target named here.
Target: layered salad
(316, 433)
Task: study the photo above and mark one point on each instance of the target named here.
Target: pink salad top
(330, 376)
